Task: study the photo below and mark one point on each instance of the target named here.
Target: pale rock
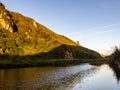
(35, 24)
(5, 19)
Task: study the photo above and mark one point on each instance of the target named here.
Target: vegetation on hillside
(31, 37)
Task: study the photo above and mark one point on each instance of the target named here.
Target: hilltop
(23, 36)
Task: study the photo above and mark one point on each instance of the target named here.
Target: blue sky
(94, 23)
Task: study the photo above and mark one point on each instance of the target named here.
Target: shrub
(115, 55)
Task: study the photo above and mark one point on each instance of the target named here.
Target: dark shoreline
(55, 63)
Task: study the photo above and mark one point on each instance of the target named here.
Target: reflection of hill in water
(69, 81)
(78, 77)
(45, 78)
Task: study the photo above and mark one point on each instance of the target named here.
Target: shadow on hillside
(54, 57)
(59, 53)
(77, 52)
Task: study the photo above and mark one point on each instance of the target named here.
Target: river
(78, 77)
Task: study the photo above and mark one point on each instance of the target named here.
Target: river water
(78, 77)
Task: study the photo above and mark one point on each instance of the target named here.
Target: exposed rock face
(6, 20)
(35, 24)
(1, 50)
(68, 55)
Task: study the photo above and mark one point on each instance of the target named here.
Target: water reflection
(53, 78)
(102, 79)
(116, 72)
(80, 77)
(20, 78)
(69, 81)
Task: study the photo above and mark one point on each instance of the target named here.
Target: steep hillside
(29, 37)
(21, 35)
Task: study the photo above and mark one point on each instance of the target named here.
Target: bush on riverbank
(115, 56)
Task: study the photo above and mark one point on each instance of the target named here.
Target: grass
(29, 61)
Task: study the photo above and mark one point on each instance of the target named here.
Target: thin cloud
(94, 31)
(111, 4)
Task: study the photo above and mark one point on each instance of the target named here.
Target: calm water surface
(80, 77)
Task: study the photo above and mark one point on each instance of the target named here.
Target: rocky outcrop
(68, 55)
(6, 20)
(1, 50)
(35, 24)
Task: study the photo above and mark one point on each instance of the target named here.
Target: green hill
(23, 36)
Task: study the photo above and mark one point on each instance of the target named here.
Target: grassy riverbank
(54, 62)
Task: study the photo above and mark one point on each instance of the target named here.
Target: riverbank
(53, 62)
